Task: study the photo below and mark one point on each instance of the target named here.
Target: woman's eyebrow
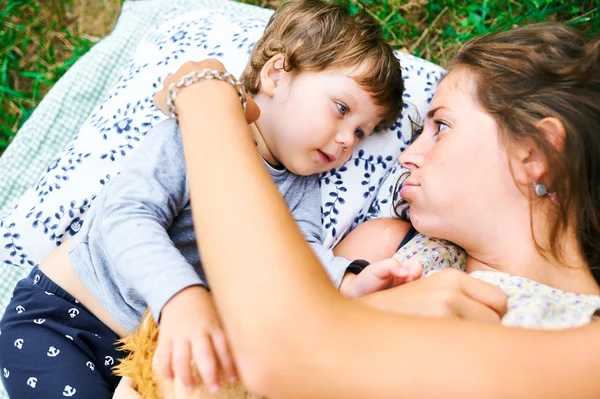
(431, 112)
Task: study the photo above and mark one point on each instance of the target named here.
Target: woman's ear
(529, 162)
(554, 132)
(271, 74)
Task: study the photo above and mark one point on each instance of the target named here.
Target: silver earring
(540, 189)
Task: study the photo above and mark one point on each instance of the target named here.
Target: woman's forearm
(255, 257)
(295, 336)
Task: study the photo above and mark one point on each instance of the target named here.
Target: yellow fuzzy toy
(137, 366)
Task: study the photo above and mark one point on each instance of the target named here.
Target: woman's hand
(449, 293)
(160, 98)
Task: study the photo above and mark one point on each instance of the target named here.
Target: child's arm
(374, 240)
(380, 240)
(308, 217)
(135, 212)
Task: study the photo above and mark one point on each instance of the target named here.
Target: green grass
(41, 39)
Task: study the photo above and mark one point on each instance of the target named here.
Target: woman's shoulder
(535, 305)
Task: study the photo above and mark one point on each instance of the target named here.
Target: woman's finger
(470, 309)
(484, 293)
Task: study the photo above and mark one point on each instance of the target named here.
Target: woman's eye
(417, 131)
(359, 133)
(342, 108)
(440, 127)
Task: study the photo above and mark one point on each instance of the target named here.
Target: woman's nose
(410, 158)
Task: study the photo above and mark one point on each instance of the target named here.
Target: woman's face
(460, 176)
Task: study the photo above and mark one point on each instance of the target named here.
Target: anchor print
(73, 312)
(32, 382)
(6, 373)
(91, 365)
(68, 336)
(19, 343)
(109, 361)
(36, 279)
(69, 391)
(39, 321)
(53, 352)
(48, 293)
(20, 309)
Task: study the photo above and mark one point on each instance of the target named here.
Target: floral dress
(530, 304)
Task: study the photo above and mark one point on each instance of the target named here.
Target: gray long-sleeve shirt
(137, 246)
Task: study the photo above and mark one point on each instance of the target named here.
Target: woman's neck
(522, 257)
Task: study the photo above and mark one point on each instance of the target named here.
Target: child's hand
(379, 276)
(191, 334)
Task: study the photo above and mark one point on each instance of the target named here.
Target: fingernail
(233, 379)
(214, 388)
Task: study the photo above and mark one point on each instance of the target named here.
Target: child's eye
(342, 108)
(359, 133)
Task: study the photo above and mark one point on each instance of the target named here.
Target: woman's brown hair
(548, 70)
(314, 36)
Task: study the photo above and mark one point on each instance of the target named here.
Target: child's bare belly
(57, 266)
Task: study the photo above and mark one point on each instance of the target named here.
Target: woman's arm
(294, 336)
(374, 240)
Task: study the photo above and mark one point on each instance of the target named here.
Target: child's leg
(53, 347)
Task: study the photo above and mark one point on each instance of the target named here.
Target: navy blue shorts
(51, 346)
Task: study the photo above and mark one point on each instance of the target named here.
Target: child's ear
(271, 74)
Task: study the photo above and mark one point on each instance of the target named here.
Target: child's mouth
(325, 157)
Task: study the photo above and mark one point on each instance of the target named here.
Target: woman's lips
(407, 187)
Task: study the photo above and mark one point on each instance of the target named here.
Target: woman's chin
(425, 224)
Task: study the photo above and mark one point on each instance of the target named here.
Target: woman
(299, 338)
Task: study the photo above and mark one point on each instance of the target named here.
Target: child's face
(312, 122)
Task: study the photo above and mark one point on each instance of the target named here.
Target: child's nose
(346, 138)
